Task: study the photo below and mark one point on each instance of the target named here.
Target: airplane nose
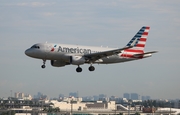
(29, 52)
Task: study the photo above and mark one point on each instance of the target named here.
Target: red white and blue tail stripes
(138, 41)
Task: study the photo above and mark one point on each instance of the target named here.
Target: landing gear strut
(78, 69)
(44, 62)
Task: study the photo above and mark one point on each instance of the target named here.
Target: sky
(104, 23)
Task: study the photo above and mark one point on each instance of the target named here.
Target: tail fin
(138, 42)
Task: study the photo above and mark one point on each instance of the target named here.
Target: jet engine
(58, 63)
(77, 60)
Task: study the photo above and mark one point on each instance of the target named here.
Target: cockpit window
(35, 46)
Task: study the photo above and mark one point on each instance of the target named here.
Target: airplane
(63, 54)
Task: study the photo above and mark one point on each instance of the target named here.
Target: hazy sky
(105, 23)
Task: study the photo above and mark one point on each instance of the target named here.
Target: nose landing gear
(44, 62)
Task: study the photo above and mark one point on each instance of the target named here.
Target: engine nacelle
(58, 63)
(77, 60)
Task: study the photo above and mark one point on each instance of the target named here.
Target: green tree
(50, 109)
(56, 109)
(8, 113)
(154, 103)
(45, 109)
(137, 113)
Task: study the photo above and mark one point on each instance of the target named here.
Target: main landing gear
(91, 68)
(44, 62)
(79, 69)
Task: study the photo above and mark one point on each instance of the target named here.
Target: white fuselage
(48, 51)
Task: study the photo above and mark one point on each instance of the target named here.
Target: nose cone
(29, 52)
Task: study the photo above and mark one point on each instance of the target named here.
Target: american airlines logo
(74, 50)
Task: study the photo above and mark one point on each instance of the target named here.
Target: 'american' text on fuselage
(74, 50)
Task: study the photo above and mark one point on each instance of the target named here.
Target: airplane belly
(110, 59)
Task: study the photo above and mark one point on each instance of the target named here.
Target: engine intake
(58, 63)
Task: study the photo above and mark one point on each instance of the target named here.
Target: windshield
(35, 46)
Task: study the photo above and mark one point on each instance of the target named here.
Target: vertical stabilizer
(138, 42)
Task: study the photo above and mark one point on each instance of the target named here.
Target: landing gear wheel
(43, 66)
(91, 68)
(78, 69)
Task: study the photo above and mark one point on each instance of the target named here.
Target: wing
(95, 56)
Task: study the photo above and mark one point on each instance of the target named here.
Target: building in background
(134, 96)
(126, 95)
(19, 95)
(176, 104)
(73, 94)
(145, 98)
(76, 104)
(23, 96)
(41, 96)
